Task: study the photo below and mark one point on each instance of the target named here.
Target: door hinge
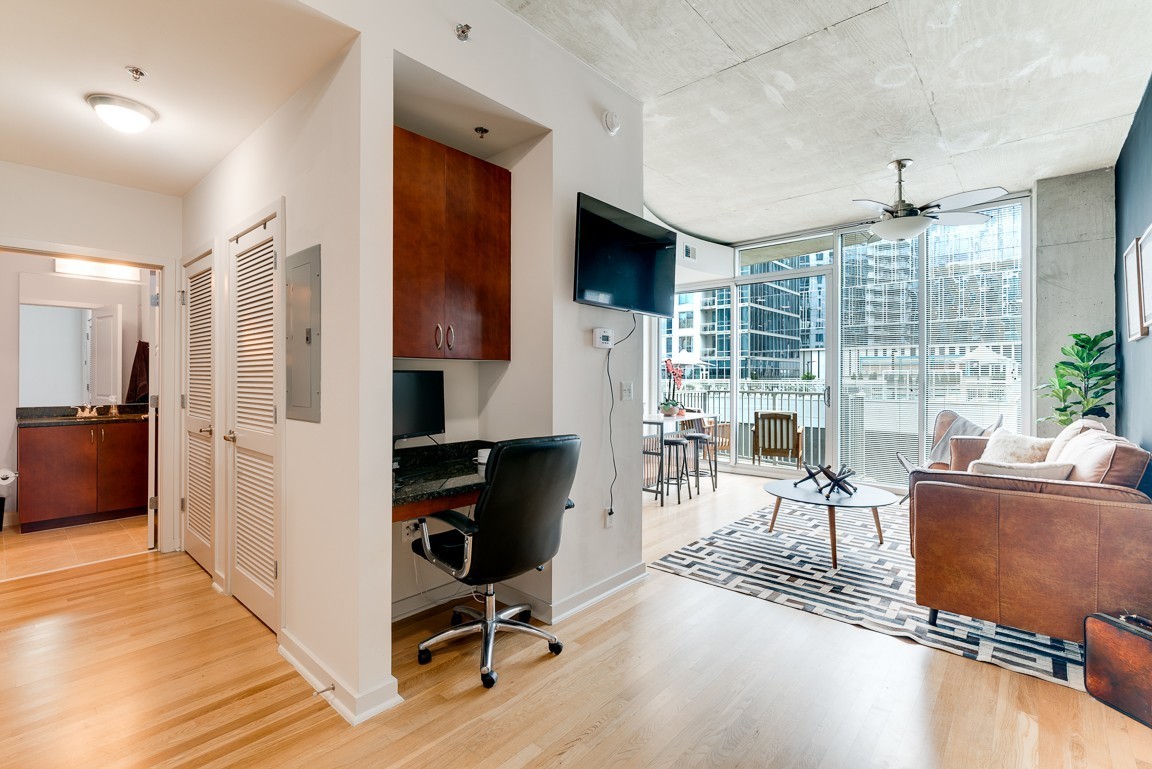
(183, 401)
(275, 570)
(154, 401)
(183, 298)
(153, 503)
(183, 504)
(154, 299)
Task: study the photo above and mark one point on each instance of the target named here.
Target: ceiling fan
(903, 221)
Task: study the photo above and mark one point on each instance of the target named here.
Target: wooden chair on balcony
(777, 435)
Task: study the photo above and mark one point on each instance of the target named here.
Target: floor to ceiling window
(832, 326)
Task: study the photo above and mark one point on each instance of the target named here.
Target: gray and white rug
(874, 586)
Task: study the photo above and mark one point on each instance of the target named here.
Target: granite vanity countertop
(60, 416)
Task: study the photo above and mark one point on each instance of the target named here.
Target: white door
(199, 401)
(253, 430)
(106, 341)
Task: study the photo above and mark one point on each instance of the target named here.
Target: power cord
(611, 409)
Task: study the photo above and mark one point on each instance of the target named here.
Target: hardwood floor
(137, 662)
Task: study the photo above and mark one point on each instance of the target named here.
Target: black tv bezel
(634, 224)
(439, 375)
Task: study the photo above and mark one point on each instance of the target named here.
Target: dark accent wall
(1133, 215)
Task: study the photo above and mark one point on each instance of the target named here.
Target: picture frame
(1134, 292)
(1144, 248)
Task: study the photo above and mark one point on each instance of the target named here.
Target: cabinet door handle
(101, 434)
(92, 435)
(451, 336)
(230, 436)
(439, 336)
(207, 429)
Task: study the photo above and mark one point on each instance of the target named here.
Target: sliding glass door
(865, 340)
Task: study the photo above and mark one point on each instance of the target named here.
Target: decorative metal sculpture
(837, 481)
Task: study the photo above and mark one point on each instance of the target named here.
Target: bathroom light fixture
(122, 114)
(104, 270)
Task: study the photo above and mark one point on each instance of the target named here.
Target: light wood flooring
(137, 662)
(41, 551)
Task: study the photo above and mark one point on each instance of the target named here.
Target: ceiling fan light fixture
(122, 114)
(901, 227)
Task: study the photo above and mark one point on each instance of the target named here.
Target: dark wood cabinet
(77, 473)
(452, 253)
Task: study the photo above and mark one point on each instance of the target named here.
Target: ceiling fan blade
(876, 205)
(960, 217)
(965, 199)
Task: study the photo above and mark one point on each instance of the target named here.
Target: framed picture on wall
(1144, 247)
(1133, 292)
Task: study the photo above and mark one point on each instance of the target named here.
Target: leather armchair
(1038, 555)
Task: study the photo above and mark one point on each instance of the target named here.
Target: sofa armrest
(965, 449)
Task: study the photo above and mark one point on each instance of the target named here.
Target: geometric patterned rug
(874, 586)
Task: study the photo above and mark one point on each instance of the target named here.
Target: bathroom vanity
(76, 470)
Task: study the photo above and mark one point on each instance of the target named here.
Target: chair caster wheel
(424, 656)
(456, 619)
(525, 616)
(488, 679)
(556, 648)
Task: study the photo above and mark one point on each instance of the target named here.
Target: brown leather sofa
(1038, 555)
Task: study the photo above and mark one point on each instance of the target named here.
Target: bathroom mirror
(70, 355)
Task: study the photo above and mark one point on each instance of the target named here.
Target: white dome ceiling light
(122, 114)
(904, 221)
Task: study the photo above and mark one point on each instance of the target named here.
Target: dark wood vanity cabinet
(451, 253)
(81, 472)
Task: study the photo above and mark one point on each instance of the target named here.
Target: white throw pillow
(1048, 471)
(1007, 446)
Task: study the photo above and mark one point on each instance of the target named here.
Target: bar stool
(676, 452)
(703, 444)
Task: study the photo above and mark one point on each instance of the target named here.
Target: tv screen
(417, 403)
(623, 261)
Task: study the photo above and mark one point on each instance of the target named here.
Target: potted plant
(670, 406)
(1081, 385)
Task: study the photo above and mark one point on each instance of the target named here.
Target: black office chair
(516, 529)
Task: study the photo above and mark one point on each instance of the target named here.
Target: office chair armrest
(458, 521)
(462, 524)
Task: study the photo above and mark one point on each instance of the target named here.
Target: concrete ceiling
(216, 70)
(764, 117)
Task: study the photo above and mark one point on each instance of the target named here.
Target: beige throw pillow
(1067, 434)
(1048, 471)
(1007, 446)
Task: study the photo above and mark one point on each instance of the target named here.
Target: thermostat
(603, 337)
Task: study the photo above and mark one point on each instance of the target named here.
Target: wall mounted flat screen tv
(623, 261)
(417, 403)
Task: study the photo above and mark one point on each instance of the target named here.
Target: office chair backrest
(520, 512)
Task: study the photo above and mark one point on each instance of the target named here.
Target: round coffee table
(806, 494)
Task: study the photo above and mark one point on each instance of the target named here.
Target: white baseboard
(354, 707)
(554, 612)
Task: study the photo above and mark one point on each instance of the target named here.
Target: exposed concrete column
(1075, 269)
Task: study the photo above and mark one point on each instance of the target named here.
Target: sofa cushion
(1067, 434)
(1100, 457)
(1049, 471)
(1007, 446)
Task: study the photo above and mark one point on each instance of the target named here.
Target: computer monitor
(417, 403)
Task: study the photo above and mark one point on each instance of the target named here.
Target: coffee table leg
(775, 510)
(876, 517)
(832, 532)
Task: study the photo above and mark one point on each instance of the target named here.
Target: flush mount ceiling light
(122, 114)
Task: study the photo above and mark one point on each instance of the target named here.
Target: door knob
(207, 429)
(230, 436)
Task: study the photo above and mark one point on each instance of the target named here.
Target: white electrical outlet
(625, 391)
(411, 531)
(608, 516)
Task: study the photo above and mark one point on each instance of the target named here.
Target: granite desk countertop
(429, 472)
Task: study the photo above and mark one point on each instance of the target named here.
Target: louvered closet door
(199, 414)
(253, 385)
